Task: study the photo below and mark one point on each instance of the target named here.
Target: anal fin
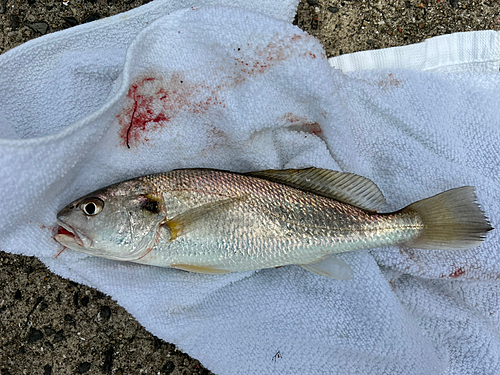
(332, 267)
(199, 269)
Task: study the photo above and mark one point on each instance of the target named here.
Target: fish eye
(92, 206)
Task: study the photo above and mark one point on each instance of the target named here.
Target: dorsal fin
(344, 187)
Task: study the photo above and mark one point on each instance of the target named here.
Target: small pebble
(40, 27)
(83, 367)
(92, 17)
(47, 369)
(168, 367)
(14, 22)
(68, 318)
(85, 301)
(59, 336)
(71, 21)
(108, 360)
(105, 312)
(34, 335)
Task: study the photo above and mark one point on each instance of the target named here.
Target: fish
(215, 222)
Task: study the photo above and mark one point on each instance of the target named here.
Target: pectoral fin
(330, 267)
(187, 221)
(199, 269)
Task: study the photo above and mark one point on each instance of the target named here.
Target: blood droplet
(457, 273)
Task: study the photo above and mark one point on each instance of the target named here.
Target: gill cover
(118, 222)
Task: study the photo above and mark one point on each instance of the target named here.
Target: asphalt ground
(50, 325)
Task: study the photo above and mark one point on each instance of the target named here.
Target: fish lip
(77, 241)
(75, 236)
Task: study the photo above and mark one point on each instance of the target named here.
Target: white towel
(227, 88)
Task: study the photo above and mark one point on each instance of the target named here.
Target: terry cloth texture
(170, 86)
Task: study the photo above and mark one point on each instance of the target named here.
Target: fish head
(119, 222)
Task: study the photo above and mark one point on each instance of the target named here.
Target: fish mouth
(75, 240)
(69, 237)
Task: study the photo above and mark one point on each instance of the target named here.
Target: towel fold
(167, 86)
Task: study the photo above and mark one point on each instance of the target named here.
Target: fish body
(213, 221)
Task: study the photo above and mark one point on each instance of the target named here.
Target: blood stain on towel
(60, 251)
(216, 139)
(408, 253)
(50, 228)
(457, 273)
(393, 287)
(291, 118)
(152, 102)
(53, 230)
(313, 128)
(390, 82)
(262, 58)
(301, 124)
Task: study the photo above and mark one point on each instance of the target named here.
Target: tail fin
(452, 220)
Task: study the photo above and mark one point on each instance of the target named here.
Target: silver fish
(212, 221)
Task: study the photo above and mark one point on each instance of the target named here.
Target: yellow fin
(174, 228)
(199, 269)
(332, 267)
(344, 187)
(186, 222)
(451, 220)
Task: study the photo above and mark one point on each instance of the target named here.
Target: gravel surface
(50, 325)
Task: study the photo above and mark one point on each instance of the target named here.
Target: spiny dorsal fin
(344, 187)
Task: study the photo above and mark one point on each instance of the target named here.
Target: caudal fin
(452, 220)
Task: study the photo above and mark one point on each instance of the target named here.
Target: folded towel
(226, 88)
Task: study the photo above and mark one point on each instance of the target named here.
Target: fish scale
(286, 225)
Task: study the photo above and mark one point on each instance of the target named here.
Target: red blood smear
(302, 124)
(61, 230)
(290, 117)
(262, 59)
(152, 103)
(459, 272)
(60, 252)
(314, 128)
